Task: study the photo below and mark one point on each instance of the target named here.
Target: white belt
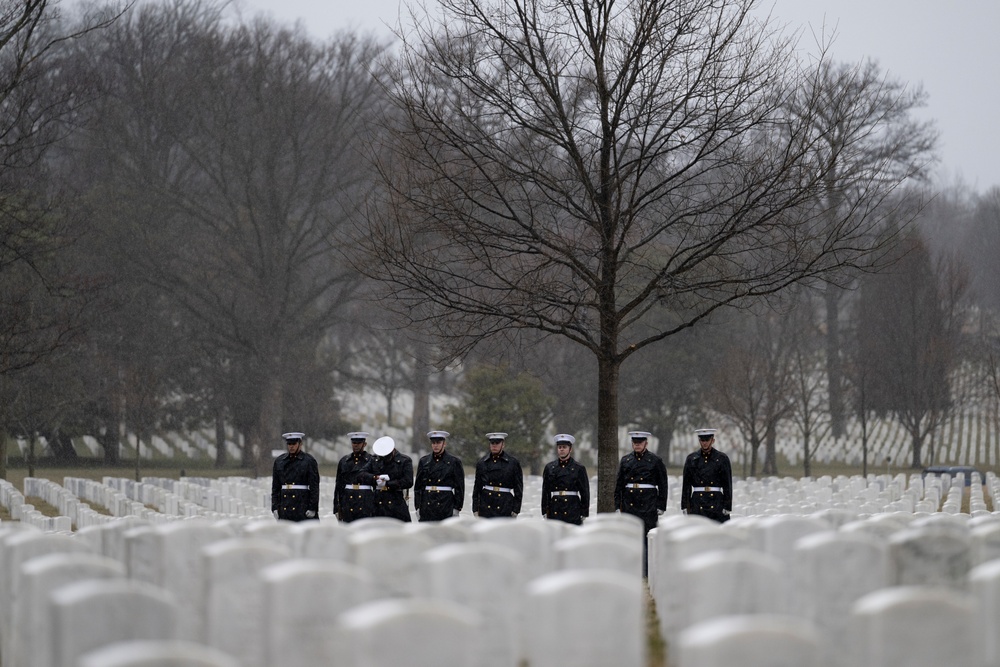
(500, 489)
(358, 487)
(706, 489)
(566, 493)
(640, 486)
(303, 487)
(438, 488)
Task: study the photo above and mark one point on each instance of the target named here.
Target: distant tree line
(225, 224)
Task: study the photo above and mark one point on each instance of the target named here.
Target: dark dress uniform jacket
(565, 491)
(641, 487)
(391, 500)
(435, 472)
(298, 471)
(353, 503)
(708, 485)
(502, 473)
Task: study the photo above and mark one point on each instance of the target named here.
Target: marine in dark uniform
(641, 486)
(439, 490)
(391, 473)
(499, 484)
(708, 480)
(565, 485)
(351, 499)
(295, 483)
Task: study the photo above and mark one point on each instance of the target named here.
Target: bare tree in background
(866, 136)
(577, 166)
(43, 300)
(908, 342)
(807, 383)
(754, 380)
(227, 158)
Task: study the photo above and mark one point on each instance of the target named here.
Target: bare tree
(753, 382)
(231, 153)
(574, 167)
(865, 134)
(42, 299)
(807, 383)
(908, 342)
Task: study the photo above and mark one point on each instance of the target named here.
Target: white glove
(379, 482)
(275, 513)
(385, 477)
(310, 514)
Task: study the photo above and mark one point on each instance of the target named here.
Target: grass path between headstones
(656, 647)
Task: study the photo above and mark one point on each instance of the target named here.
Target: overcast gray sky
(951, 48)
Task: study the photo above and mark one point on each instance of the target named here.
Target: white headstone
(531, 538)
(488, 578)
(731, 583)
(931, 555)
(94, 613)
(603, 551)
(40, 576)
(585, 618)
(302, 599)
(391, 556)
(914, 626)
(16, 549)
(174, 552)
(413, 632)
(233, 595)
(324, 540)
(777, 535)
(440, 533)
(672, 549)
(283, 533)
(750, 641)
(830, 572)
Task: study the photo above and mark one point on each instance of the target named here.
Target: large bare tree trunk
(3, 453)
(268, 426)
(421, 417)
(220, 439)
(834, 367)
(607, 433)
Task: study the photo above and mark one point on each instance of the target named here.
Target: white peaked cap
(383, 446)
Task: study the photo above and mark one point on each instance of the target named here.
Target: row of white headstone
(160, 499)
(827, 588)
(463, 592)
